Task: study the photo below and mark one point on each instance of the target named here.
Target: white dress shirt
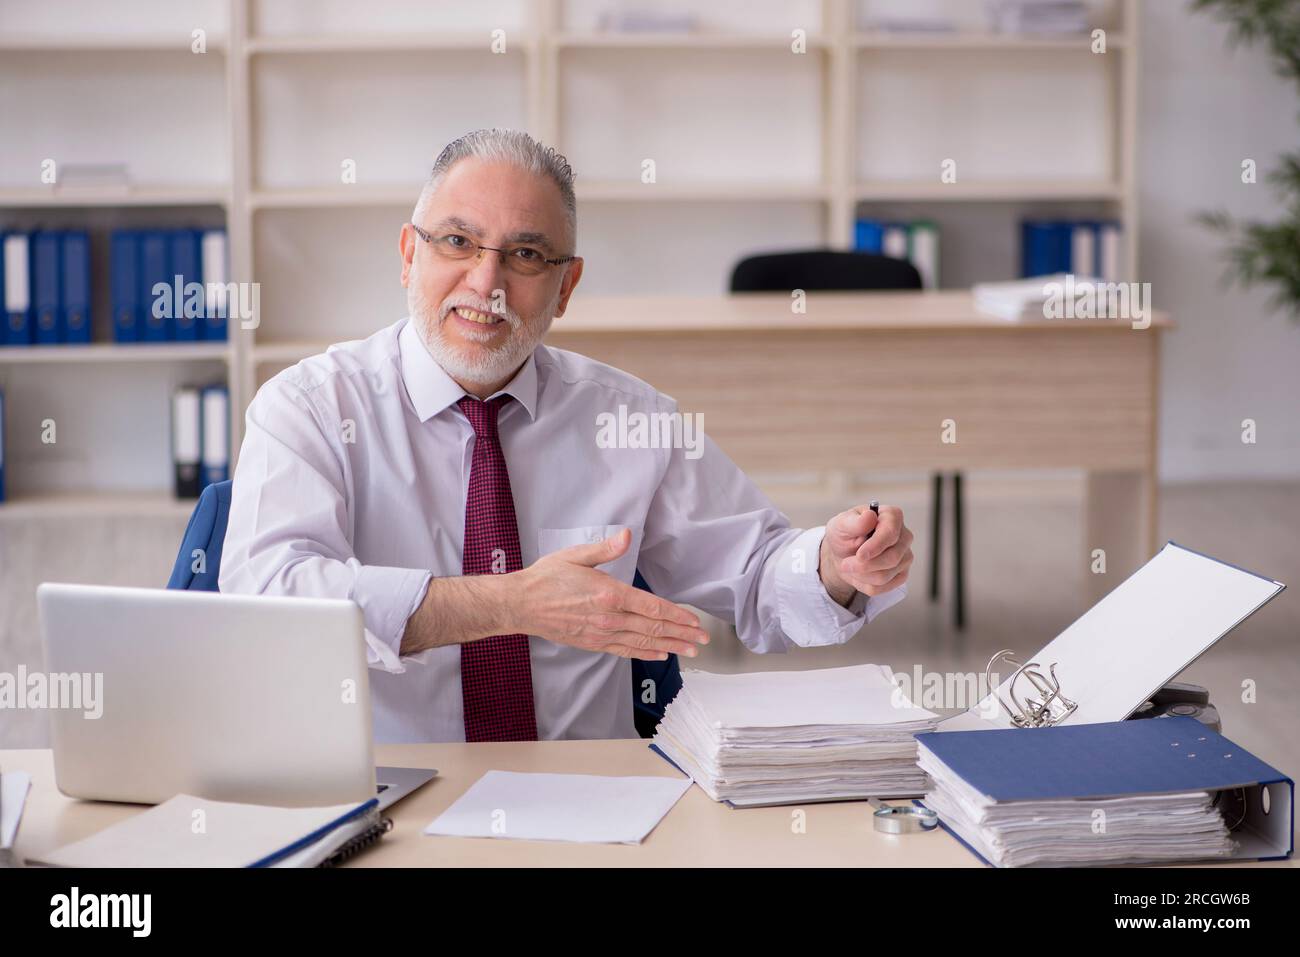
(351, 483)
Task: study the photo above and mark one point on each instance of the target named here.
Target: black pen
(875, 507)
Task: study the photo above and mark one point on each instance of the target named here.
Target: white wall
(1205, 108)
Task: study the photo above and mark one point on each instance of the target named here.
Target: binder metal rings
(1041, 707)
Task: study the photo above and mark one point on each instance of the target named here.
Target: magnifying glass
(901, 819)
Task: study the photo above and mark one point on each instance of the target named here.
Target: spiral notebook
(342, 846)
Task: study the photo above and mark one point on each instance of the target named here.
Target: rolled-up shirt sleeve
(289, 531)
(808, 614)
(714, 541)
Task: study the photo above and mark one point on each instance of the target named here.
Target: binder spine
(46, 282)
(925, 252)
(156, 287)
(17, 272)
(215, 459)
(868, 236)
(125, 270)
(77, 316)
(185, 266)
(214, 267)
(896, 241)
(186, 442)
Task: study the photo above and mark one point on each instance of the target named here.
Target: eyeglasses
(457, 247)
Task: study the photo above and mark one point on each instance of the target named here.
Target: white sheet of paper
(586, 808)
(1147, 630)
(14, 786)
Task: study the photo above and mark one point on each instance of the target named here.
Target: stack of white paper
(788, 736)
(1151, 828)
(1020, 298)
(1043, 17)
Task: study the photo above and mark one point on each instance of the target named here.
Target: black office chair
(823, 270)
(829, 270)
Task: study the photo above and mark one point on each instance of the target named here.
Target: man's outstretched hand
(851, 562)
(563, 598)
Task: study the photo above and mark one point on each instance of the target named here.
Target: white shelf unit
(757, 147)
(75, 76)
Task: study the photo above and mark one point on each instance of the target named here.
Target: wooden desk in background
(697, 832)
(865, 382)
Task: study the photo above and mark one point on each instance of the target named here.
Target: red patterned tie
(496, 677)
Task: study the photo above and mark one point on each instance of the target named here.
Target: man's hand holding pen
(865, 552)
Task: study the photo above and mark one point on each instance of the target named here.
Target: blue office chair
(201, 548)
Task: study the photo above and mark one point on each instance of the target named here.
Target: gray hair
(506, 146)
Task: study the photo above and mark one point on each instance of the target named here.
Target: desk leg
(1121, 510)
(958, 558)
(936, 534)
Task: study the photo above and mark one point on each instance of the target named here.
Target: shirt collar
(432, 390)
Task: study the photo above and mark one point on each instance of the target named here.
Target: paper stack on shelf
(1038, 17)
(646, 20)
(793, 736)
(97, 177)
(906, 24)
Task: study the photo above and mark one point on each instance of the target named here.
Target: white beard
(484, 365)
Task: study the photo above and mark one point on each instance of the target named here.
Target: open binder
(1107, 664)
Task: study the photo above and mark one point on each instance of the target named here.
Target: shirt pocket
(624, 568)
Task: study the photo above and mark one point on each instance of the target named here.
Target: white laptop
(253, 699)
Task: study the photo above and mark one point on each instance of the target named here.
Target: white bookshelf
(756, 147)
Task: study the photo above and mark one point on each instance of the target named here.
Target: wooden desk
(697, 832)
(866, 381)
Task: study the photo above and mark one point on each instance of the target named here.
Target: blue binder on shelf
(1044, 247)
(77, 316)
(124, 270)
(156, 287)
(869, 236)
(18, 290)
(185, 264)
(47, 287)
(1124, 759)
